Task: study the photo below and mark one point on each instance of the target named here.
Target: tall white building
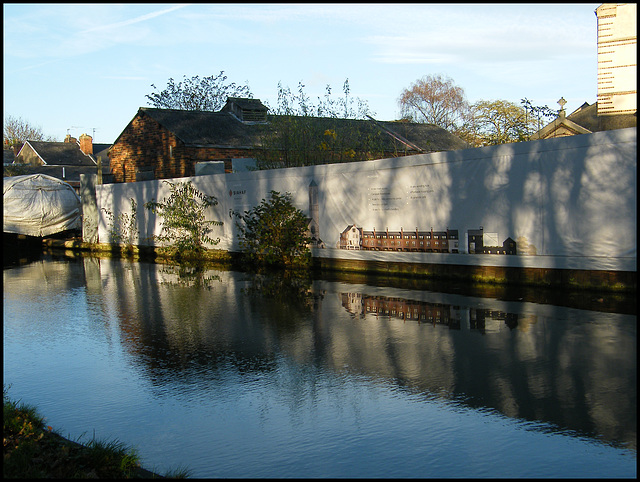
(617, 59)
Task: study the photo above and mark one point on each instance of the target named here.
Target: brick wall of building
(145, 146)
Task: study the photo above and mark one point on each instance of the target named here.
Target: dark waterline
(243, 376)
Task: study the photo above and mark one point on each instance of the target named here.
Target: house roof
(222, 129)
(202, 128)
(585, 120)
(586, 116)
(70, 174)
(245, 103)
(64, 160)
(58, 153)
(101, 151)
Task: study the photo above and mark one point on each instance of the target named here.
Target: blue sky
(74, 68)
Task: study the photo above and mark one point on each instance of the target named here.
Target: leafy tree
(206, 94)
(16, 131)
(491, 122)
(498, 122)
(434, 99)
(536, 115)
(184, 225)
(275, 232)
(303, 133)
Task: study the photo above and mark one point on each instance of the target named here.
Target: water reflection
(571, 368)
(192, 333)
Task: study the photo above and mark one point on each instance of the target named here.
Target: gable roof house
(64, 160)
(583, 120)
(168, 143)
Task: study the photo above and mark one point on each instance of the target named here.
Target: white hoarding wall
(560, 203)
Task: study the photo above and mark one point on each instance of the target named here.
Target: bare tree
(434, 99)
(16, 131)
(206, 94)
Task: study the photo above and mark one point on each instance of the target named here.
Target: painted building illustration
(479, 242)
(447, 241)
(354, 237)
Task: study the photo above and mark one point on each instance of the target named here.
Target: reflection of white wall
(571, 200)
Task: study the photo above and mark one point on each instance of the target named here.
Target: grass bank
(33, 449)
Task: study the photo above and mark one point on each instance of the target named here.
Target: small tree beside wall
(185, 228)
(274, 233)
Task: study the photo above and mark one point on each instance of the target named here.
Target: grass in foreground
(31, 449)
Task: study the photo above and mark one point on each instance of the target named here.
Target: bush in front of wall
(274, 233)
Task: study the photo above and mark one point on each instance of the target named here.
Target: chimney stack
(86, 144)
(70, 140)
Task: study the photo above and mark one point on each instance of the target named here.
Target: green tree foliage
(434, 99)
(492, 122)
(205, 94)
(536, 116)
(498, 122)
(184, 226)
(274, 233)
(16, 131)
(304, 133)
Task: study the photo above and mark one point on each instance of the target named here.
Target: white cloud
(131, 21)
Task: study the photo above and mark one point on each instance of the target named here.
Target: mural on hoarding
(354, 237)
(567, 202)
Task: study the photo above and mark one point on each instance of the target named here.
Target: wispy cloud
(141, 18)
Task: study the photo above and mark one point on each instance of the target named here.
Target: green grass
(31, 449)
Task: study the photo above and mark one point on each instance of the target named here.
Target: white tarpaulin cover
(39, 205)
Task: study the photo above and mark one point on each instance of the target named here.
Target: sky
(87, 68)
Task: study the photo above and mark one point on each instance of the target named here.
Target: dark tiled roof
(71, 173)
(102, 151)
(586, 116)
(429, 137)
(60, 153)
(200, 128)
(244, 103)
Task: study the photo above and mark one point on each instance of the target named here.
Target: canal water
(237, 375)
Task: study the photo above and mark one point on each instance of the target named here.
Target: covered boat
(40, 205)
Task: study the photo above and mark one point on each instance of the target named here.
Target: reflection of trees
(554, 366)
(536, 367)
(193, 274)
(286, 296)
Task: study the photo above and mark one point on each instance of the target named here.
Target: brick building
(167, 143)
